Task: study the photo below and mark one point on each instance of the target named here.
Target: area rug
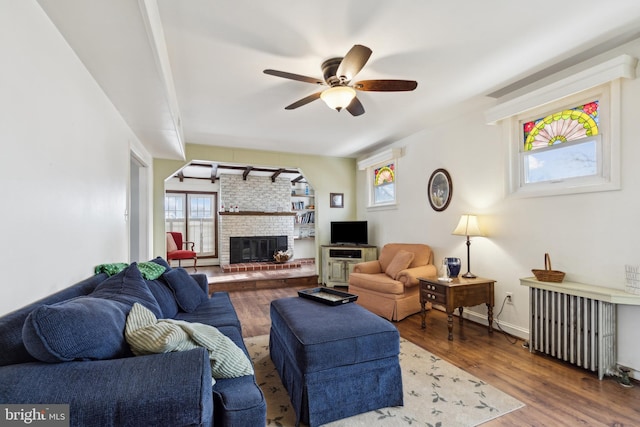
(436, 393)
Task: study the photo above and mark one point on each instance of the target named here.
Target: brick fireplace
(264, 210)
(255, 248)
(253, 224)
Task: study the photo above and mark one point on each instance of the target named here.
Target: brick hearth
(259, 266)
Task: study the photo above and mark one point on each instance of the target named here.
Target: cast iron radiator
(578, 330)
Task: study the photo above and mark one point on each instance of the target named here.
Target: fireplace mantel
(259, 213)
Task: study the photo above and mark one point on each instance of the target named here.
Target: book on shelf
(306, 218)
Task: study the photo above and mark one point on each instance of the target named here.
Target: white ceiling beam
(155, 32)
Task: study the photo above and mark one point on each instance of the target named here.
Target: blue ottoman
(335, 361)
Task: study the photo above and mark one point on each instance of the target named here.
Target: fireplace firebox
(255, 248)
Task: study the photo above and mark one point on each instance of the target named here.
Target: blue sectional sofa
(69, 348)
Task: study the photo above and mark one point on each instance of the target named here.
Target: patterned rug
(436, 393)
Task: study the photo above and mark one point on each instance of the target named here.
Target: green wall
(325, 174)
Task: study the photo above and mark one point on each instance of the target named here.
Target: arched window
(562, 145)
(384, 184)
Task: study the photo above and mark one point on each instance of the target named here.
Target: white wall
(589, 236)
(64, 164)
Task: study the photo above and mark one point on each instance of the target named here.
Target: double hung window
(194, 215)
(384, 184)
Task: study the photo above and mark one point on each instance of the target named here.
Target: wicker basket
(548, 275)
(281, 257)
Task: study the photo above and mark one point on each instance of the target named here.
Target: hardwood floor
(555, 393)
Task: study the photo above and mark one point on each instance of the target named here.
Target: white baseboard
(509, 328)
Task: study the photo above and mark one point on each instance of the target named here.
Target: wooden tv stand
(338, 262)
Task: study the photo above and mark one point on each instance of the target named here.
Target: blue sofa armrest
(161, 389)
(202, 281)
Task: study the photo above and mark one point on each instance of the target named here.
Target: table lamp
(468, 226)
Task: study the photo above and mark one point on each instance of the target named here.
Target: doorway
(138, 210)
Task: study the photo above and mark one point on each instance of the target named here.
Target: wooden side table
(459, 293)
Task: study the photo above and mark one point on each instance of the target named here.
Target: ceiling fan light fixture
(338, 97)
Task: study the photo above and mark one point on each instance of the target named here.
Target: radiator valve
(624, 379)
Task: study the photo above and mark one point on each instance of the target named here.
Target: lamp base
(469, 275)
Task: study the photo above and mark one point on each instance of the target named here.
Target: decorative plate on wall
(439, 190)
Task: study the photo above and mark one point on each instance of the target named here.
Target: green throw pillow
(150, 270)
(111, 269)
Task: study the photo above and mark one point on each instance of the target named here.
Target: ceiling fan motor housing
(329, 70)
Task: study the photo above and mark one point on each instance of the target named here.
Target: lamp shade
(467, 226)
(338, 97)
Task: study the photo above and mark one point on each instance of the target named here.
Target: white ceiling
(191, 70)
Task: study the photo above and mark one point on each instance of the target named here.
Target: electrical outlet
(509, 298)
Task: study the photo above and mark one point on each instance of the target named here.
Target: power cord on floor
(497, 319)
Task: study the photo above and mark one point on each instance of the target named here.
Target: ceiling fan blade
(292, 76)
(355, 108)
(386, 85)
(303, 101)
(353, 62)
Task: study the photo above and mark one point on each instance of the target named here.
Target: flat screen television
(349, 233)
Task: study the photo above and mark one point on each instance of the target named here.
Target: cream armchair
(389, 285)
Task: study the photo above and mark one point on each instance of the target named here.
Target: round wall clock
(439, 190)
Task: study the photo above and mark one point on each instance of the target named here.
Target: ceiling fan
(338, 73)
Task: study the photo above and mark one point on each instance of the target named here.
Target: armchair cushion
(400, 261)
(368, 267)
(422, 253)
(409, 276)
(380, 282)
(171, 244)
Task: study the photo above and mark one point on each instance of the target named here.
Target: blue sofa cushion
(11, 342)
(188, 293)
(88, 327)
(164, 295)
(216, 311)
(162, 292)
(82, 328)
